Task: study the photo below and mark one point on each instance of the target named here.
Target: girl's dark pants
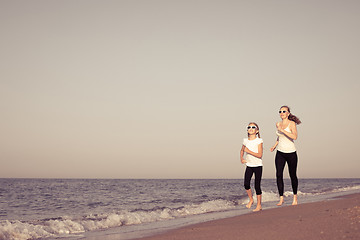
(291, 159)
(247, 178)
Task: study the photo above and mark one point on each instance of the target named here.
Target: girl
(253, 147)
(286, 151)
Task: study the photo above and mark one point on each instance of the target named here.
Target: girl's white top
(286, 144)
(252, 145)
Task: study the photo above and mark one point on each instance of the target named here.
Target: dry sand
(328, 220)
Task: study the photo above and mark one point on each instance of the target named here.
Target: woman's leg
(247, 179)
(280, 165)
(292, 165)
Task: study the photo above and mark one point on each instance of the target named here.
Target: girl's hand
(243, 161)
(246, 150)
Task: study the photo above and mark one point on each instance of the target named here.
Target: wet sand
(329, 220)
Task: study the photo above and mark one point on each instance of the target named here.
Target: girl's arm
(258, 154)
(242, 154)
(293, 131)
(275, 145)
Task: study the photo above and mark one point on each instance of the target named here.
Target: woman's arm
(242, 154)
(258, 154)
(293, 131)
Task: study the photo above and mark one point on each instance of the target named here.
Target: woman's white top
(252, 145)
(286, 144)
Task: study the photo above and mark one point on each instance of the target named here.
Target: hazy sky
(165, 89)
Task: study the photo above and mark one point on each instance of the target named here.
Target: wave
(346, 189)
(67, 226)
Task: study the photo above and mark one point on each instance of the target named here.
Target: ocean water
(105, 208)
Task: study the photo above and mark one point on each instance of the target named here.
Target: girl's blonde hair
(258, 133)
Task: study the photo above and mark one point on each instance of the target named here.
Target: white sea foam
(266, 197)
(18, 230)
(299, 193)
(345, 189)
(64, 226)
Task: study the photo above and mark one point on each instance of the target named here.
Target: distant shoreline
(44, 178)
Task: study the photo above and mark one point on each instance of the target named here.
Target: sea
(123, 209)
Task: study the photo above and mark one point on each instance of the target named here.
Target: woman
(286, 151)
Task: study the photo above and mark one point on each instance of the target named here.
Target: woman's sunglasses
(249, 127)
(282, 111)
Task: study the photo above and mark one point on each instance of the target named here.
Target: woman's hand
(272, 149)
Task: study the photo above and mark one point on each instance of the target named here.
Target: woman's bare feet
(250, 203)
(295, 202)
(281, 201)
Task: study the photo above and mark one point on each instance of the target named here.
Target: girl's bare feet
(295, 202)
(250, 203)
(281, 201)
(251, 200)
(258, 208)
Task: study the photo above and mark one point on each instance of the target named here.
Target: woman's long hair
(291, 116)
(257, 127)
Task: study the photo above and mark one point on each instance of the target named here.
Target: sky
(165, 89)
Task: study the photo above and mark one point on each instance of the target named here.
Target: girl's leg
(251, 200)
(292, 165)
(280, 165)
(258, 174)
(247, 179)
(258, 206)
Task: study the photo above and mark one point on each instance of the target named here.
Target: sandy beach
(332, 219)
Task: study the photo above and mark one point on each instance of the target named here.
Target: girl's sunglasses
(282, 111)
(249, 127)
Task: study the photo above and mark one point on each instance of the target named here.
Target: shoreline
(337, 218)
